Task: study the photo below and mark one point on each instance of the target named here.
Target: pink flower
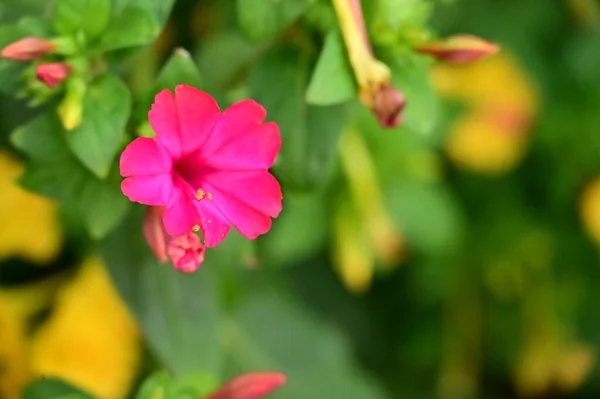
(208, 169)
(186, 253)
(52, 74)
(249, 386)
(28, 49)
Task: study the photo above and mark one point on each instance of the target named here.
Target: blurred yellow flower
(29, 225)
(491, 137)
(91, 340)
(589, 209)
(14, 372)
(17, 306)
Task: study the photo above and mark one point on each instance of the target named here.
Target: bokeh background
(453, 257)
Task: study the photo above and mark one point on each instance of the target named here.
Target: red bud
(154, 232)
(249, 386)
(28, 49)
(459, 49)
(52, 74)
(388, 103)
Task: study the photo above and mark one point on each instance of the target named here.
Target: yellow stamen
(196, 228)
(201, 194)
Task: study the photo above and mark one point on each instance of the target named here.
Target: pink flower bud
(52, 74)
(28, 49)
(459, 49)
(388, 103)
(155, 233)
(249, 386)
(186, 252)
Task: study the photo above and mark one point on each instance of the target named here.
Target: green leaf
(427, 214)
(159, 10)
(52, 170)
(89, 16)
(177, 312)
(107, 106)
(133, 26)
(262, 20)
(179, 69)
(298, 233)
(223, 56)
(155, 386)
(310, 134)
(103, 205)
(411, 76)
(314, 356)
(47, 388)
(10, 71)
(332, 81)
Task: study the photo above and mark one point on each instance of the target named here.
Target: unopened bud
(249, 386)
(52, 74)
(459, 49)
(154, 232)
(388, 103)
(372, 76)
(186, 252)
(28, 49)
(70, 109)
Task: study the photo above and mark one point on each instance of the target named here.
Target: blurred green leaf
(158, 9)
(332, 81)
(52, 170)
(107, 106)
(223, 56)
(103, 205)
(47, 388)
(271, 332)
(262, 20)
(177, 312)
(310, 134)
(411, 77)
(89, 16)
(179, 69)
(299, 232)
(10, 71)
(161, 385)
(132, 26)
(427, 215)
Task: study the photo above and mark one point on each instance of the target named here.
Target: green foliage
(53, 388)
(448, 258)
(332, 81)
(106, 109)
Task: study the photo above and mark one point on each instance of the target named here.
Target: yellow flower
(590, 210)
(91, 340)
(491, 137)
(17, 306)
(29, 225)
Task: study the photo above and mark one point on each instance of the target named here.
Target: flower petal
(249, 221)
(198, 113)
(165, 122)
(143, 157)
(215, 226)
(256, 188)
(184, 121)
(239, 141)
(181, 214)
(149, 190)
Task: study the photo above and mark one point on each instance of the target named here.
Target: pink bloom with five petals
(208, 169)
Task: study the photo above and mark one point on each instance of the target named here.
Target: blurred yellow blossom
(18, 305)
(91, 339)
(492, 136)
(29, 225)
(590, 210)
